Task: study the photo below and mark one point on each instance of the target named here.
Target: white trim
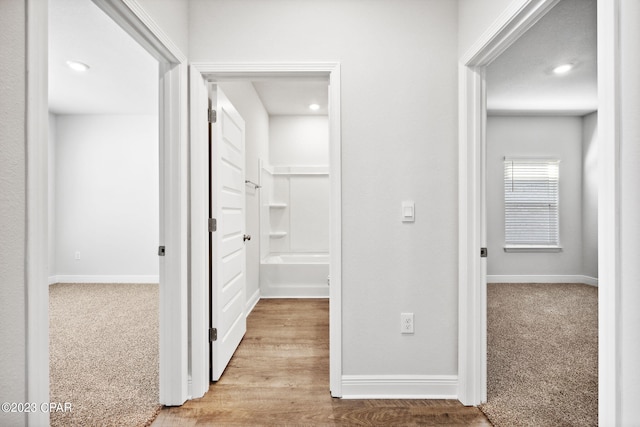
(523, 278)
(235, 71)
(519, 16)
(335, 244)
(296, 291)
(104, 279)
(516, 20)
(174, 333)
(299, 170)
(542, 113)
(294, 296)
(36, 256)
(588, 280)
(609, 294)
(471, 287)
(132, 17)
(218, 71)
(198, 232)
(252, 301)
(399, 386)
(530, 248)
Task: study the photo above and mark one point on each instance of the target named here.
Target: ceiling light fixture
(78, 66)
(563, 69)
(314, 107)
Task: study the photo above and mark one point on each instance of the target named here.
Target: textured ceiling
(521, 79)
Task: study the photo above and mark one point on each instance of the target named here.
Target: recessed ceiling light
(563, 69)
(314, 107)
(78, 66)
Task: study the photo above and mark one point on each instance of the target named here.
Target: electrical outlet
(77, 255)
(406, 323)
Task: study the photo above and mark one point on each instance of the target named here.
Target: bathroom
(287, 186)
(294, 208)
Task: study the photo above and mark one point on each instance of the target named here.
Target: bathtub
(303, 275)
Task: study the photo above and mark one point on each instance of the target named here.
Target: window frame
(532, 247)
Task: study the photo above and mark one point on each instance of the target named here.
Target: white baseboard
(253, 300)
(294, 296)
(104, 279)
(399, 386)
(295, 291)
(569, 278)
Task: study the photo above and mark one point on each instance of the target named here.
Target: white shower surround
(293, 258)
(295, 275)
(295, 212)
(289, 269)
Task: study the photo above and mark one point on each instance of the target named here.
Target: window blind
(531, 202)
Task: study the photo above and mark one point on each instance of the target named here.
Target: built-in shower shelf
(277, 205)
(277, 234)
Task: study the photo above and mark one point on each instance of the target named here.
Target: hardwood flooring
(280, 376)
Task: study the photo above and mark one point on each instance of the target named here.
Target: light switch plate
(408, 211)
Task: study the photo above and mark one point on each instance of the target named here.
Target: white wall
(106, 198)
(399, 141)
(173, 17)
(299, 140)
(475, 17)
(13, 375)
(590, 195)
(245, 99)
(543, 137)
(629, 326)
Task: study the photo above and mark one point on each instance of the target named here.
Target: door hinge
(161, 251)
(483, 252)
(213, 115)
(213, 225)
(213, 334)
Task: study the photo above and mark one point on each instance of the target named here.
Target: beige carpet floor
(104, 353)
(542, 357)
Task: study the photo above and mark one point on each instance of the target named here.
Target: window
(531, 204)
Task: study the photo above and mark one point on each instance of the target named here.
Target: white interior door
(228, 261)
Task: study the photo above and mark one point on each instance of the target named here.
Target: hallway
(280, 376)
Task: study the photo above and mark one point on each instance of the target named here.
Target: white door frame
(199, 291)
(472, 357)
(36, 256)
(173, 199)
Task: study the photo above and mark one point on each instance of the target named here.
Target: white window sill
(532, 248)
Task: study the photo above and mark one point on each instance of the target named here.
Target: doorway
(173, 379)
(472, 315)
(294, 191)
(285, 232)
(103, 215)
(214, 73)
(541, 221)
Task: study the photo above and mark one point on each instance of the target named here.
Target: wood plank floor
(280, 376)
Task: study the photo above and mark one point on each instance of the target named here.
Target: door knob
(246, 237)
